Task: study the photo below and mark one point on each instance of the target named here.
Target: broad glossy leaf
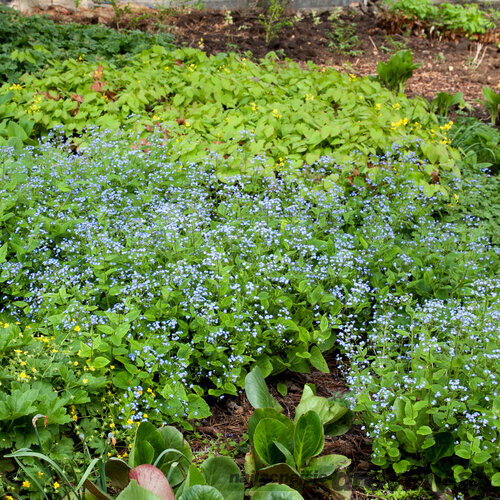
(267, 431)
(117, 471)
(262, 413)
(257, 392)
(329, 411)
(201, 492)
(323, 467)
(274, 491)
(223, 474)
(283, 473)
(308, 437)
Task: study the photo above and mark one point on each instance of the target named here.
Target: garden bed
(245, 210)
(458, 65)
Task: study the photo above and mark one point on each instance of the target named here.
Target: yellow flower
(26, 484)
(84, 380)
(22, 375)
(77, 328)
(75, 417)
(56, 485)
(75, 363)
(40, 473)
(112, 425)
(6, 325)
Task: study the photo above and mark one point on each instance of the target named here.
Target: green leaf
(223, 474)
(340, 426)
(282, 388)
(267, 431)
(317, 360)
(194, 477)
(329, 411)
(280, 472)
(444, 447)
(117, 471)
(262, 413)
(257, 392)
(273, 491)
(201, 492)
(495, 480)
(135, 492)
(100, 362)
(3, 252)
(323, 467)
(308, 438)
(401, 466)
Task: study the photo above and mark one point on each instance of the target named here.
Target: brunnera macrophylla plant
(171, 280)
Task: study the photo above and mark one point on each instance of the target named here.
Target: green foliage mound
(238, 108)
(135, 285)
(462, 19)
(31, 43)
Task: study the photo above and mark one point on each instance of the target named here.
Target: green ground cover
(31, 43)
(234, 215)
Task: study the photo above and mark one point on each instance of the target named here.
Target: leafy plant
(197, 99)
(30, 43)
(274, 19)
(444, 101)
(491, 102)
(13, 133)
(397, 71)
(344, 38)
(287, 451)
(456, 18)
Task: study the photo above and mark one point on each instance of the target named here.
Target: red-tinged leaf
(97, 75)
(77, 97)
(97, 86)
(152, 479)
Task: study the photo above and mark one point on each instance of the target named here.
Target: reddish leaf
(97, 86)
(77, 97)
(153, 480)
(97, 75)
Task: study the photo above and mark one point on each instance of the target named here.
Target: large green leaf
(274, 491)
(201, 492)
(267, 431)
(444, 447)
(257, 392)
(262, 413)
(117, 471)
(222, 473)
(341, 426)
(283, 473)
(135, 492)
(320, 468)
(329, 411)
(308, 437)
